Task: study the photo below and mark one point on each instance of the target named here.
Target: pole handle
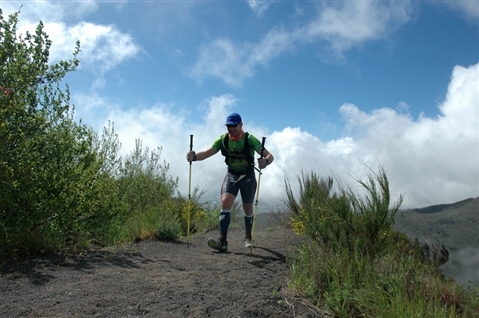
(191, 145)
(262, 146)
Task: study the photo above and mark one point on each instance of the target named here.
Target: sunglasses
(232, 126)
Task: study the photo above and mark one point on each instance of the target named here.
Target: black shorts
(245, 184)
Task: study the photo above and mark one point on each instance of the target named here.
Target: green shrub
(169, 231)
(62, 187)
(351, 262)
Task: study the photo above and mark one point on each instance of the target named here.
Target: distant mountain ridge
(456, 225)
(464, 204)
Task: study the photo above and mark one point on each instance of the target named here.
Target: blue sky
(335, 86)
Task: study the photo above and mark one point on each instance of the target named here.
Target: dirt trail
(157, 279)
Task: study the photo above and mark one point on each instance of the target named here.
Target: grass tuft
(353, 264)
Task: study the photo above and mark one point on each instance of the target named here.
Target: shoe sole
(216, 246)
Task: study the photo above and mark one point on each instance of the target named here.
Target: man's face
(234, 130)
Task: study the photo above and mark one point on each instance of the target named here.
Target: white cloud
(93, 109)
(235, 62)
(430, 160)
(224, 60)
(103, 47)
(260, 6)
(50, 10)
(469, 9)
(346, 24)
(343, 26)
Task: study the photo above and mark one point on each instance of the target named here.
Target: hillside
(456, 225)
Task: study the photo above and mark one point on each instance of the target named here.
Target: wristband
(194, 157)
(267, 162)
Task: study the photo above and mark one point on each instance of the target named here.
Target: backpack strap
(224, 147)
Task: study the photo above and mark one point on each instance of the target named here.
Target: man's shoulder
(253, 141)
(218, 143)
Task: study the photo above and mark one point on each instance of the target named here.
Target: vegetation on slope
(352, 263)
(63, 186)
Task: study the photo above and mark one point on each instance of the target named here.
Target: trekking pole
(189, 197)
(256, 201)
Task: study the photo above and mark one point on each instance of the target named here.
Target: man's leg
(248, 189)
(229, 190)
(248, 219)
(227, 200)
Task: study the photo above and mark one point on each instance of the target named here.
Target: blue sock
(248, 225)
(224, 223)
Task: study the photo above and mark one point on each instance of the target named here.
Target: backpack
(246, 154)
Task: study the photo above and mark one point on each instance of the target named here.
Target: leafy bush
(169, 231)
(46, 159)
(352, 263)
(61, 185)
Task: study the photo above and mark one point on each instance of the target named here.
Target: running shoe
(218, 244)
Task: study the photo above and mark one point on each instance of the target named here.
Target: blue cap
(233, 119)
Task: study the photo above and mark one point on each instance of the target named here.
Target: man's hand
(262, 163)
(191, 156)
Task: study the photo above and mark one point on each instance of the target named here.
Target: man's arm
(266, 160)
(202, 155)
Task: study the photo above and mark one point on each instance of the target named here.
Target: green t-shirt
(239, 165)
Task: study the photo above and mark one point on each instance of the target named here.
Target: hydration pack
(244, 155)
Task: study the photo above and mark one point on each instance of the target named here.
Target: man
(238, 148)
